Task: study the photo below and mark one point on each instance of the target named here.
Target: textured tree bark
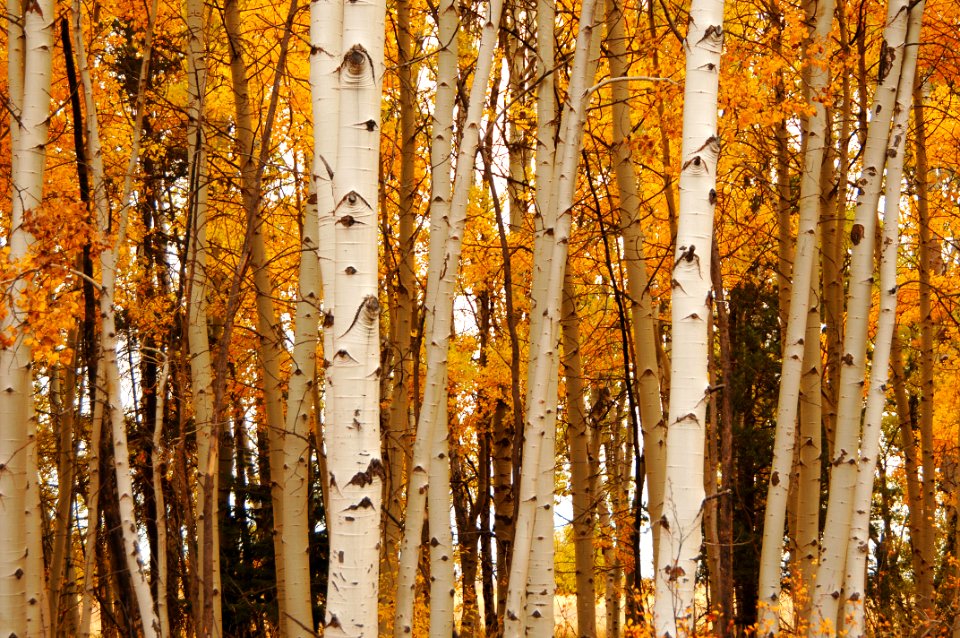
(647, 369)
(927, 248)
(807, 538)
(295, 473)
(581, 487)
(30, 44)
(448, 219)
(855, 594)
(201, 371)
(829, 581)
(791, 374)
(356, 471)
(531, 569)
(158, 461)
(680, 533)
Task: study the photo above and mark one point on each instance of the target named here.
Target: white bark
(859, 543)
(646, 367)
(29, 73)
(810, 455)
(158, 463)
(683, 486)
(768, 612)
(201, 371)
(448, 219)
(298, 609)
(112, 406)
(843, 475)
(537, 474)
(353, 426)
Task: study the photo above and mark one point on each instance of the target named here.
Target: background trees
(161, 318)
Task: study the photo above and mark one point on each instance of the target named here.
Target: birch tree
(30, 47)
(680, 532)
(856, 561)
(791, 374)
(555, 193)
(448, 214)
(109, 262)
(348, 41)
(829, 581)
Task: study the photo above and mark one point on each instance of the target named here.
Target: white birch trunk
(112, 405)
(353, 427)
(537, 473)
(843, 475)
(158, 462)
(810, 456)
(647, 369)
(859, 543)
(680, 533)
(768, 612)
(298, 609)
(29, 74)
(201, 371)
(448, 219)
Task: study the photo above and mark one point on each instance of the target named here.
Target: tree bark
(829, 581)
(581, 487)
(680, 533)
(30, 43)
(791, 374)
(855, 594)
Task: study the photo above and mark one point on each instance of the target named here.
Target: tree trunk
(927, 249)
(201, 371)
(791, 374)
(647, 369)
(859, 544)
(448, 219)
(680, 533)
(581, 486)
(30, 42)
(829, 581)
(397, 438)
(356, 471)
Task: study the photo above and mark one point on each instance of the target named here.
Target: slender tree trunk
(725, 514)
(854, 609)
(89, 590)
(158, 461)
(791, 374)
(807, 538)
(642, 318)
(683, 486)
(926, 249)
(531, 569)
(829, 581)
(62, 404)
(201, 372)
(398, 435)
(30, 43)
(112, 407)
(580, 484)
(448, 219)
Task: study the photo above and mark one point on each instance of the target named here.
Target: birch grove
(480, 319)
